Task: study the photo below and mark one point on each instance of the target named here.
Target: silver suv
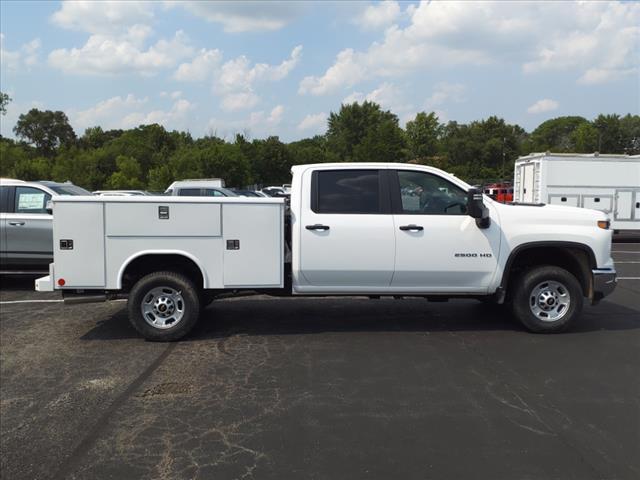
(26, 236)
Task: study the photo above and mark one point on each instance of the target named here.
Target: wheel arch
(148, 261)
(578, 258)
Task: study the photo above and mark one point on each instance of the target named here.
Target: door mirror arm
(49, 207)
(477, 209)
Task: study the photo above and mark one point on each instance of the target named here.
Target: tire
(547, 299)
(164, 306)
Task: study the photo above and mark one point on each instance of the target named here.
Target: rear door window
(31, 200)
(346, 191)
(209, 192)
(190, 192)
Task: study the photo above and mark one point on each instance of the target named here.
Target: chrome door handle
(411, 228)
(16, 224)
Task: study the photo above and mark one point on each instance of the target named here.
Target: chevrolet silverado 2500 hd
(352, 229)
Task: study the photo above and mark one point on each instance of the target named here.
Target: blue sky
(279, 68)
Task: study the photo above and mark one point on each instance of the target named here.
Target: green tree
(585, 138)
(364, 132)
(47, 130)
(271, 162)
(630, 128)
(38, 168)
(11, 154)
(423, 135)
(4, 101)
(127, 176)
(609, 133)
(556, 135)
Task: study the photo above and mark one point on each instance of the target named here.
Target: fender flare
(541, 244)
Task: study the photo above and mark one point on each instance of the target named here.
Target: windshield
(69, 190)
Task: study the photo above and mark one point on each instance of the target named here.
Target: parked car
(277, 192)
(120, 193)
(244, 193)
(179, 185)
(26, 237)
(199, 188)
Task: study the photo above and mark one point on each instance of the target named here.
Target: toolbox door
(78, 244)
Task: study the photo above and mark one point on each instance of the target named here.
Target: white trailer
(609, 183)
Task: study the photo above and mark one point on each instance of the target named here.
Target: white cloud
(128, 112)
(314, 122)
(260, 119)
(103, 16)
(243, 16)
(379, 15)
(542, 106)
(347, 71)
(232, 102)
(105, 54)
(22, 59)
(444, 93)
(235, 81)
(201, 67)
(597, 40)
(237, 74)
(174, 95)
(387, 95)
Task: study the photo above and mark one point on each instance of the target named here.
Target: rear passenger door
(347, 242)
(29, 228)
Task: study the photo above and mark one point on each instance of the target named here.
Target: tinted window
(209, 192)
(424, 193)
(31, 200)
(347, 191)
(189, 192)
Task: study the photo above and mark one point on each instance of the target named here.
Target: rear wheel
(547, 299)
(164, 306)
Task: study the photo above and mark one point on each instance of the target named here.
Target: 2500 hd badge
(473, 255)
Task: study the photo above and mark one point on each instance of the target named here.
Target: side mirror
(477, 209)
(49, 207)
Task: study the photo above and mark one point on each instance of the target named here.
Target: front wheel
(164, 306)
(547, 299)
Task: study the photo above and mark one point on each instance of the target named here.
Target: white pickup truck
(352, 229)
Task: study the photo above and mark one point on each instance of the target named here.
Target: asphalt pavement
(327, 388)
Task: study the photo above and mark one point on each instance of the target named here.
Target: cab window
(189, 192)
(31, 200)
(427, 194)
(346, 191)
(209, 192)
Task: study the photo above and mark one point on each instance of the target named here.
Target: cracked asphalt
(327, 388)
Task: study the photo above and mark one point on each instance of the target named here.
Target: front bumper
(604, 282)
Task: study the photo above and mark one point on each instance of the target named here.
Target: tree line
(150, 157)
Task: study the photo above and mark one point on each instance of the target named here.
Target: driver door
(439, 248)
